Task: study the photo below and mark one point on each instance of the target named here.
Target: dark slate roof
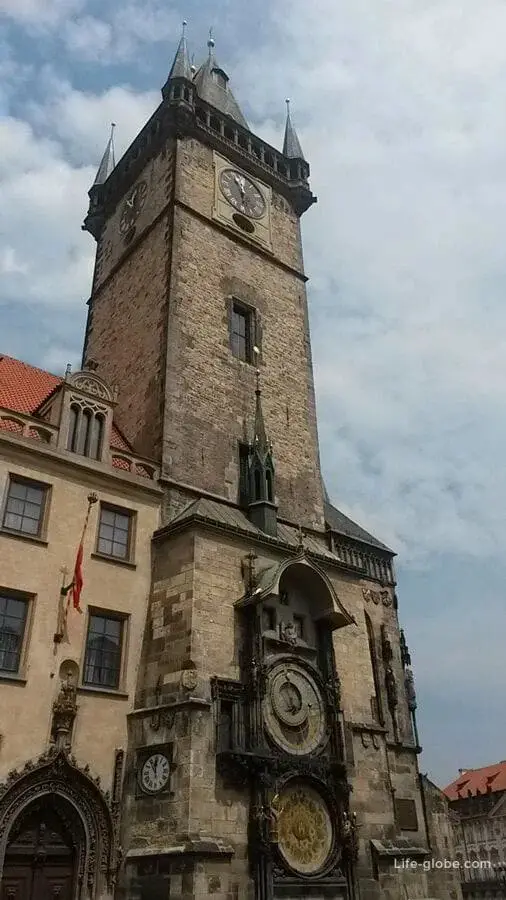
(291, 143)
(181, 67)
(217, 513)
(341, 524)
(211, 92)
(108, 161)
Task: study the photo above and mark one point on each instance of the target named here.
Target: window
(86, 432)
(12, 629)
(115, 533)
(102, 664)
(24, 509)
(241, 331)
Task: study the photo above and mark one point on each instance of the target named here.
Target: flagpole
(77, 581)
(62, 612)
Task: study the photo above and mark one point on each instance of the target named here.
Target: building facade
(67, 679)
(477, 799)
(264, 735)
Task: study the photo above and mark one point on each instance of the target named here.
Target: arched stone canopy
(78, 801)
(303, 572)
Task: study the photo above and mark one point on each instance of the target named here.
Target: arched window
(377, 706)
(268, 478)
(86, 432)
(73, 427)
(96, 435)
(258, 484)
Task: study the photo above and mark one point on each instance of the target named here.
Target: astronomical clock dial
(132, 206)
(242, 193)
(304, 829)
(294, 710)
(155, 773)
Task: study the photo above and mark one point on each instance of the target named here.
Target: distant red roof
(472, 782)
(23, 388)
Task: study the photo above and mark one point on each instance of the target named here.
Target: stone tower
(271, 750)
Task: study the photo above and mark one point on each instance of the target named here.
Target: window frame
(16, 478)
(131, 514)
(29, 601)
(123, 619)
(239, 307)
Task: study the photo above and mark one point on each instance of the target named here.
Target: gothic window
(115, 533)
(257, 477)
(242, 329)
(268, 479)
(104, 644)
(86, 431)
(376, 706)
(13, 615)
(24, 507)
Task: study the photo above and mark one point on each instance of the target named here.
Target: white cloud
(39, 12)
(45, 259)
(399, 108)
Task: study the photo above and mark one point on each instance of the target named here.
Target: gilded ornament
(305, 832)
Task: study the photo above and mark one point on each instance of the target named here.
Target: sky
(399, 107)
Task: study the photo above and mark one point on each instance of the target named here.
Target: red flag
(77, 584)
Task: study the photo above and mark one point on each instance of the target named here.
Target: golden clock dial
(242, 193)
(133, 206)
(305, 830)
(294, 710)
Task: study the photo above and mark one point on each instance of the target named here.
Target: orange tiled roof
(472, 782)
(23, 388)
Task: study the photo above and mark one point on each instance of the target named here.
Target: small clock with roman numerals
(154, 773)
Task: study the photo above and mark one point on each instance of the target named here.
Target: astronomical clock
(279, 736)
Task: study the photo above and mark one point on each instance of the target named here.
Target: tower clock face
(242, 193)
(155, 773)
(294, 709)
(132, 206)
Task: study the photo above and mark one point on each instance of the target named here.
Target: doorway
(40, 856)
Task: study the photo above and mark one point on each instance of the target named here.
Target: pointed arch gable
(327, 605)
(57, 775)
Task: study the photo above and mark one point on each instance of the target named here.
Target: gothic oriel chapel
(258, 739)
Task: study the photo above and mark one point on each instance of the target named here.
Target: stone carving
(288, 633)
(350, 837)
(409, 682)
(189, 679)
(377, 597)
(391, 687)
(64, 713)
(405, 654)
(85, 381)
(56, 773)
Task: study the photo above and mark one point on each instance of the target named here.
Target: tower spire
(261, 503)
(108, 161)
(181, 67)
(212, 85)
(291, 143)
(260, 436)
